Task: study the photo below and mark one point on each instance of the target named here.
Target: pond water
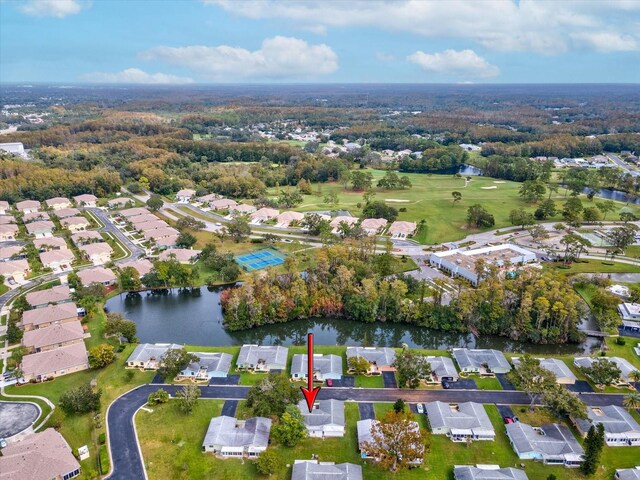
(464, 169)
(617, 195)
(195, 317)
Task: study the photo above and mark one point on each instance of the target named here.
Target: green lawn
(592, 266)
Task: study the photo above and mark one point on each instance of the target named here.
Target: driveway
(229, 408)
(464, 384)
(16, 417)
(389, 380)
(505, 411)
(366, 411)
(506, 384)
(228, 380)
(345, 381)
(581, 386)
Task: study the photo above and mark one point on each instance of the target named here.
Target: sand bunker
(395, 200)
(498, 181)
(489, 188)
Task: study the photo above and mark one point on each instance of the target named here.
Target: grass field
(592, 266)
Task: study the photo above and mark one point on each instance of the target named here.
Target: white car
(420, 408)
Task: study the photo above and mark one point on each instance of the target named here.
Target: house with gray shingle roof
(316, 470)
(324, 367)
(54, 363)
(553, 444)
(229, 437)
(625, 366)
(560, 370)
(487, 472)
(628, 473)
(326, 418)
(208, 365)
(442, 369)
(620, 428)
(480, 360)
(148, 355)
(460, 422)
(379, 358)
(262, 358)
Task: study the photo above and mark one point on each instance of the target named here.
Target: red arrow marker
(310, 393)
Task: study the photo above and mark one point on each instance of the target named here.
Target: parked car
(420, 408)
(329, 382)
(508, 420)
(446, 385)
(3, 443)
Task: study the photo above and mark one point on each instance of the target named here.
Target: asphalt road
(125, 455)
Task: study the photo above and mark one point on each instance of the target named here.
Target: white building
(14, 148)
(326, 418)
(185, 195)
(229, 437)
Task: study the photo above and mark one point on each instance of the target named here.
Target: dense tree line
(435, 157)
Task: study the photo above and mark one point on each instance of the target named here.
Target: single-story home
(80, 238)
(42, 298)
(222, 204)
(553, 444)
(629, 311)
(57, 260)
(208, 197)
(399, 229)
(4, 207)
(167, 242)
(481, 360)
(85, 200)
(54, 363)
(120, 202)
(326, 418)
(55, 336)
(148, 355)
(460, 422)
(67, 212)
(158, 233)
(185, 195)
(39, 456)
(625, 366)
(560, 370)
(285, 219)
(373, 226)
(141, 265)
(28, 206)
(12, 252)
(150, 225)
(442, 369)
(262, 358)
(620, 428)
(324, 367)
(340, 219)
(6, 219)
(98, 253)
(75, 224)
(182, 255)
(487, 472)
(16, 269)
(131, 212)
(8, 232)
(628, 473)
(40, 229)
(229, 437)
(49, 315)
(100, 275)
(380, 358)
(317, 470)
(365, 436)
(49, 243)
(56, 203)
(263, 215)
(242, 209)
(138, 221)
(35, 216)
(209, 365)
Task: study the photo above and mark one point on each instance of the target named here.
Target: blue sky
(410, 41)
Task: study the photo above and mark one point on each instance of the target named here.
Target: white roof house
(141, 265)
(373, 226)
(8, 232)
(75, 223)
(120, 202)
(262, 357)
(57, 203)
(159, 233)
(442, 369)
(67, 212)
(16, 269)
(14, 251)
(628, 473)
(49, 243)
(399, 229)
(479, 360)
(263, 215)
(138, 221)
(560, 370)
(626, 368)
(460, 422)
(4, 206)
(620, 428)
(131, 212)
(629, 311)
(5, 219)
(326, 418)
(182, 255)
(316, 470)
(553, 443)
(379, 358)
(229, 437)
(40, 229)
(324, 367)
(28, 206)
(87, 236)
(57, 260)
(97, 275)
(222, 204)
(148, 355)
(86, 200)
(150, 224)
(33, 216)
(185, 195)
(285, 219)
(98, 253)
(208, 365)
(487, 472)
(242, 209)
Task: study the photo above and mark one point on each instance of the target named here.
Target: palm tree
(632, 401)
(635, 376)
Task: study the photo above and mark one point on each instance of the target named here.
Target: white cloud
(278, 57)
(606, 41)
(466, 63)
(135, 75)
(315, 29)
(504, 25)
(52, 8)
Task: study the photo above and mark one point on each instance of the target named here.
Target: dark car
(446, 385)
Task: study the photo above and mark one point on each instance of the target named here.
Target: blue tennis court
(258, 260)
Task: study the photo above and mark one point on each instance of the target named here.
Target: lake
(195, 317)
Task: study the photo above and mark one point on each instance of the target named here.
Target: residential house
(49, 315)
(222, 204)
(628, 473)
(553, 444)
(15, 269)
(13, 252)
(150, 225)
(373, 226)
(4, 207)
(263, 215)
(141, 265)
(365, 437)
(55, 336)
(42, 298)
(483, 361)
(185, 195)
(8, 232)
(487, 472)
(340, 219)
(442, 369)
(49, 243)
(229, 437)
(39, 456)
(208, 366)
(85, 200)
(159, 233)
(182, 255)
(286, 219)
(120, 202)
(324, 367)
(629, 311)
(262, 358)
(242, 209)
(326, 418)
(402, 230)
(75, 224)
(462, 422)
(89, 236)
(35, 216)
(166, 242)
(58, 203)
(316, 470)
(131, 212)
(138, 222)
(560, 370)
(58, 260)
(6, 219)
(380, 358)
(208, 198)
(14, 148)
(54, 363)
(28, 206)
(148, 355)
(620, 428)
(67, 212)
(626, 368)
(40, 229)
(100, 275)
(98, 253)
